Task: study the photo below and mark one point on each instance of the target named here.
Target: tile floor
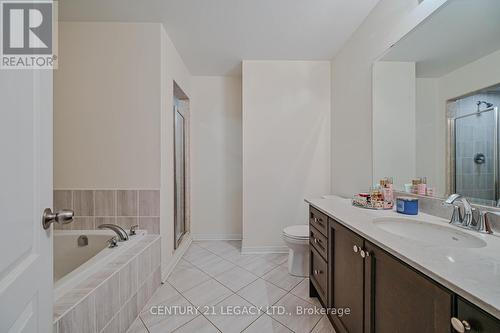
(215, 276)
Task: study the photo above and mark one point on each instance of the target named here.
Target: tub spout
(120, 232)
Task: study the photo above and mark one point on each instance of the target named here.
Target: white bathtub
(73, 263)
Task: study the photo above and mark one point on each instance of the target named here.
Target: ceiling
(457, 34)
(214, 36)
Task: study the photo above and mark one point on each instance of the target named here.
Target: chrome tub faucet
(120, 232)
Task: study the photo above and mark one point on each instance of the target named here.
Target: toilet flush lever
(64, 216)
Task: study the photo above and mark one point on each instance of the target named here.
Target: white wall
(394, 150)
(427, 133)
(106, 106)
(286, 146)
(172, 69)
(216, 188)
(352, 89)
(114, 112)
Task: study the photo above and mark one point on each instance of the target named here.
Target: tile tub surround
(200, 279)
(109, 300)
(469, 272)
(123, 207)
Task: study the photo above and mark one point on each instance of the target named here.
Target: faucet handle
(113, 242)
(132, 229)
(456, 217)
(483, 223)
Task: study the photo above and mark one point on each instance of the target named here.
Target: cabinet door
(478, 320)
(347, 278)
(399, 299)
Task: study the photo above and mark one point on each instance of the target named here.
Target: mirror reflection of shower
(474, 127)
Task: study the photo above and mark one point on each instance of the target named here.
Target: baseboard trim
(199, 237)
(179, 252)
(263, 249)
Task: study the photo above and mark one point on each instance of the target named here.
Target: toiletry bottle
(422, 186)
(414, 187)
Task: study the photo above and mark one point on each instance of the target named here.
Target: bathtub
(90, 278)
(74, 263)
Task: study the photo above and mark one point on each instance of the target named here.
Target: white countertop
(473, 273)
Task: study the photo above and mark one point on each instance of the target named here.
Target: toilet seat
(297, 232)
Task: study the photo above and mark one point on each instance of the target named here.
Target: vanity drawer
(319, 242)
(318, 274)
(318, 220)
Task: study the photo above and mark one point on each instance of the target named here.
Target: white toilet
(296, 237)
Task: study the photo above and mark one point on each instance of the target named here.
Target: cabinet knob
(317, 272)
(316, 240)
(355, 248)
(363, 254)
(460, 326)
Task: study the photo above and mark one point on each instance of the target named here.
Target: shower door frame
(184, 148)
(451, 149)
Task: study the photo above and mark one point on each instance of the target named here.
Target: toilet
(296, 237)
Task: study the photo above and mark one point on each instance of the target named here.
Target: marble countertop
(473, 273)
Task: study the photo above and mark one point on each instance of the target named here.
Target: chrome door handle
(61, 217)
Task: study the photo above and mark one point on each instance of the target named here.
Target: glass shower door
(476, 154)
(180, 178)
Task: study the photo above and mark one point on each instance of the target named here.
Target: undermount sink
(429, 233)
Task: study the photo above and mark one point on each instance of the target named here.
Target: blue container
(407, 205)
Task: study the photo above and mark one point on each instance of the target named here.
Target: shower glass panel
(180, 178)
(476, 156)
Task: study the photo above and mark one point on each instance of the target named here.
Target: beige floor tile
(323, 326)
(217, 267)
(199, 325)
(162, 296)
(193, 252)
(185, 277)
(242, 259)
(297, 322)
(302, 291)
(277, 258)
(280, 277)
(208, 293)
(237, 322)
(236, 278)
(266, 324)
(137, 327)
(181, 313)
(259, 266)
(262, 293)
(204, 258)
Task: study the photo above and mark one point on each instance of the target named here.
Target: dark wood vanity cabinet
(318, 255)
(347, 278)
(478, 320)
(383, 294)
(400, 299)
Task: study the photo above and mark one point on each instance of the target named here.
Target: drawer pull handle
(364, 254)
(355, 249)
(460, 326)
(318, 221)
(319, 243)
(317, 272)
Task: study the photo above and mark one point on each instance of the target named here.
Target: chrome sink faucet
(469, 221)
(456, 219)
(120, 232)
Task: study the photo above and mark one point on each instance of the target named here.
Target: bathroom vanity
(396, 283)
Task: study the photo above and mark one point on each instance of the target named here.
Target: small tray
(362, 202)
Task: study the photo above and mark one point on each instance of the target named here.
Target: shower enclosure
(474, 149)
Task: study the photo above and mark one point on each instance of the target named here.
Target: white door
(25, 190)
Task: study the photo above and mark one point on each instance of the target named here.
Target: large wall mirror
(436, 95)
